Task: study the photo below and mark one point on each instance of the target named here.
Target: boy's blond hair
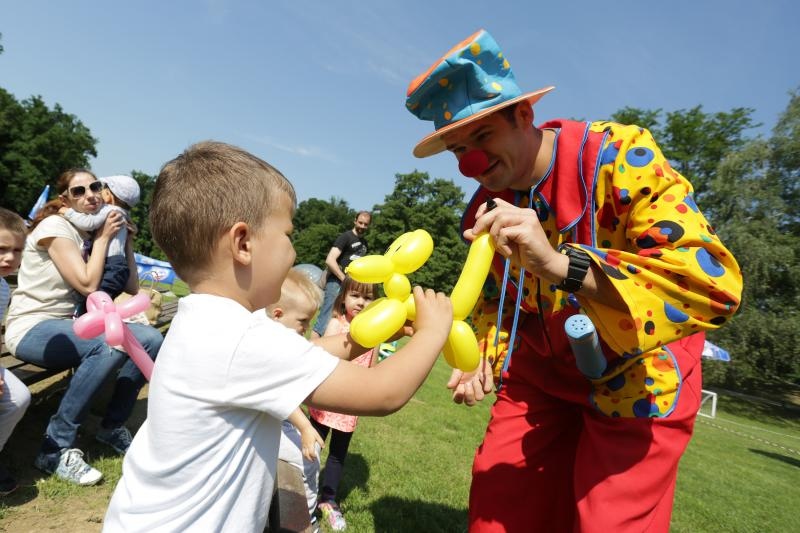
(295, 287)
(202, 193)
(12, 222)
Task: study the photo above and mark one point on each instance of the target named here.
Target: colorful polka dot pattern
(469, 78)
(669, 268)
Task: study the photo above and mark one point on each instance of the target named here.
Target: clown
(589, 218)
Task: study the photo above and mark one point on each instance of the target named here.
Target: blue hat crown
(473, 76)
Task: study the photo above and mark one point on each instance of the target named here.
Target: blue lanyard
(513, 335)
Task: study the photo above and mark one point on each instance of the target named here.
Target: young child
(300, 443)
(227, 375)
(14, 395)
(120, 193)
(353, 297)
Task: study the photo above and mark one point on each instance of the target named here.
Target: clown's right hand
(471, 387)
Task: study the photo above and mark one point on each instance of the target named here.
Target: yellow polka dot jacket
(610, 192)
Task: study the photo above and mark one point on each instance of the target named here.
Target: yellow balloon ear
(377, 322)
(413, 252)
(461, 349)
(370, 269)
(397, 287)
(397, 244)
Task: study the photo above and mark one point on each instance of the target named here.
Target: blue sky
(317, 88)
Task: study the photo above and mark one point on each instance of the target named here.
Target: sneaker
(331, 513)
(118, 438)
(7, 483)
(70, 466)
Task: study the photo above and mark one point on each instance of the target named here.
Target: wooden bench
(288, 511)
(31, 374)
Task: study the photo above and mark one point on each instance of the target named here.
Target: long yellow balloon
(470, 282)
(461, 349)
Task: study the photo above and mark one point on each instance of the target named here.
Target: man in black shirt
(348, 246)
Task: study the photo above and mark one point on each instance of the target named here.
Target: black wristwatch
(579, 264)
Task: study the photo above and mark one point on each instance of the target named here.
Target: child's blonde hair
(12, 222)
(202, 193)
(349, 284)
(295, 287)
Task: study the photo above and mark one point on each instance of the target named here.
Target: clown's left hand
(471, 387)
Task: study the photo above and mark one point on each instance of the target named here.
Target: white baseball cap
(124, 187)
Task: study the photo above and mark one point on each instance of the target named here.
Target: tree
(143, 242)
(748, 188)
(693, 141)
(36, 145)
(317, 223)
(418, 202)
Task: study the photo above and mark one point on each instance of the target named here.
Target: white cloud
(313, 152)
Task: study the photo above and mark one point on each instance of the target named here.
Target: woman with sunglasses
(58, 268)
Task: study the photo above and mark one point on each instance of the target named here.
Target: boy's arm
(308, 435)
(87, 221)
(342, 346)
(385, 388)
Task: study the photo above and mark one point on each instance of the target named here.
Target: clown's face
(508, 144)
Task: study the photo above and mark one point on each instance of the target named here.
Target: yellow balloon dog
(385, 316)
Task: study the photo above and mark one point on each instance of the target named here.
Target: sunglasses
(80, 190)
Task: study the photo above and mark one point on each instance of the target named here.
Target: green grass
(411, 471)
(741, 472)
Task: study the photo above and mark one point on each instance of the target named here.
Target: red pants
(550, 462)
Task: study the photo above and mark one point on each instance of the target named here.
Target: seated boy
(226, 375)
(300, 443)
(120, 193)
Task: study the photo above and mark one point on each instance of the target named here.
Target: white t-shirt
(42, 293)
(205, 458)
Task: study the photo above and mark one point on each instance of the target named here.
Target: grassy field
(410, 471)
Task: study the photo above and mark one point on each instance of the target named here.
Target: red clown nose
(473, 163)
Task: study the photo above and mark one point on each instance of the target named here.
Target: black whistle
(490, 204)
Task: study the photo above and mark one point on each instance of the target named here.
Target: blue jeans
(53, 344)
(331, 292)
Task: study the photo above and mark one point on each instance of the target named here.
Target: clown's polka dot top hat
(467, 83)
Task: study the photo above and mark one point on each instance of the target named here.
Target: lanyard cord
(518, 301)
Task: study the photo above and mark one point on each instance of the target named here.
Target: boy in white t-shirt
(227, 375)
(14, 395)
(300, 443)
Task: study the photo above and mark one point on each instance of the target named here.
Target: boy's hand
(62, 210)
(309, 439)
(434, 311)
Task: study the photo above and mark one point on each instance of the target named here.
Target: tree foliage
(435, 205)
(694, 141)
(317, 223)
(37, 144)
(748, 188)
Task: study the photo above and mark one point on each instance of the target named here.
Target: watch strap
(579, 263)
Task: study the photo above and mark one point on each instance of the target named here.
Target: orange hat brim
(434, 144)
